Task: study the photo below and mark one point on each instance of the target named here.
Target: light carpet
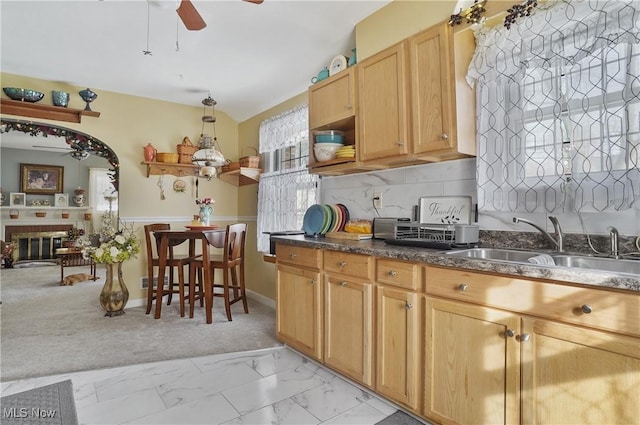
(49, 405)
(49, 329)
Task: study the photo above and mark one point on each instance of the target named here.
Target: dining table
(209, 236)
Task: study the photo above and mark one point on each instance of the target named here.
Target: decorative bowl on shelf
(329, 136)
(24, 95)
(88, 96)
(326, 151)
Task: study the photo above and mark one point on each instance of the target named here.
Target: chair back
(234, 243)
(153, 244)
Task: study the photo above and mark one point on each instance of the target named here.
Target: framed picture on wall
(61, 200)
(41, 179)
(17, 199)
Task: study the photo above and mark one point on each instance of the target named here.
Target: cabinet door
(576, 375)
(298, 309)
(348, 322)
(332, 100)
(432, 85)
(383, 104)
(398, 345)
(472, 364)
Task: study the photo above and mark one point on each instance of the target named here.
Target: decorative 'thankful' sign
(445, 210)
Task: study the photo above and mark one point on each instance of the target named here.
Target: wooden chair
(173, 261)
(231, 262)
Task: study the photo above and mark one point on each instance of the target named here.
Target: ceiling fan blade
(255, 1)
(190, 16)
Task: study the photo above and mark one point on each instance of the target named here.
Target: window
(559, 109)
(99, 186)
(287, 189)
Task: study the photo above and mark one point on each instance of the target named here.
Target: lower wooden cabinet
(574, 375)
(479, 358)
(472, 371)
(348, 327)
(299, 309)
(398, 345)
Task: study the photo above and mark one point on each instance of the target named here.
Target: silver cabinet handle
(392, 273)
(343, 283)
(408, 306)
(292, 255)
(349, 106)
(462, 287)
(313, 281)
(400, 143)
(510, 333)
(586, 308)
(444, 136)
(524, 337)
(342, 264)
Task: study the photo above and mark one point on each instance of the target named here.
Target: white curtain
(285, 194)
(558, 100)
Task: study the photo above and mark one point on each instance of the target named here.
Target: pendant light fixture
(209, 156)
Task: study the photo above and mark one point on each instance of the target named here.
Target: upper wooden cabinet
(383, 104)
(332, 101)
(411, 104)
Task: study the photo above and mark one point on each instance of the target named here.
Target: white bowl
(325, 151)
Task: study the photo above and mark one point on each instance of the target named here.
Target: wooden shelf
(179, 170)
(242, 176)
(49, 112)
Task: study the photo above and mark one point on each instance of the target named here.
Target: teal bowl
(329, 136)
(24, 95)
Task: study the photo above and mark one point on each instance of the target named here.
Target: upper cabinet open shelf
(49, 112)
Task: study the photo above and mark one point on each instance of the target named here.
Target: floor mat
(400, 418)
(49, 405)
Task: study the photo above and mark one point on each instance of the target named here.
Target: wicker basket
(186, 151)
(168, 157)
(250, 161)
(230, 166)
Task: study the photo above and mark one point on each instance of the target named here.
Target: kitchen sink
(563, 260)
(511, 255)
(598, 263)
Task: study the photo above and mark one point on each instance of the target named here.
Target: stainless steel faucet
(615, 247)
(558, 241)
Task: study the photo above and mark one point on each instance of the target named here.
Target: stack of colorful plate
(348, 151)
(322, 218)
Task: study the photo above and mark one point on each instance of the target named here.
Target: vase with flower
(206, 210)
(112, 249)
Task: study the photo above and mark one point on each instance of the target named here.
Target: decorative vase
(352, 59)
(88, 96)
(149, 153)
(60, 98)
(205, 214)
(114, 294)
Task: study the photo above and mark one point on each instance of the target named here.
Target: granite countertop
(436, 257)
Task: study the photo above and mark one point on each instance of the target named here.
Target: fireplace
(37, 242)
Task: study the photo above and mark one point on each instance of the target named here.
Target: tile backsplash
(401, 188)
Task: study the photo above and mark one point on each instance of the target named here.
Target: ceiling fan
(192, 19)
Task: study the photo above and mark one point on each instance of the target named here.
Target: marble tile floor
(271, 386)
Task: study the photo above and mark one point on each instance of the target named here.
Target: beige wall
(127, 124)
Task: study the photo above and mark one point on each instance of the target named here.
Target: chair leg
(225, 284)
(201, 287)
(149, 288)
(243, 293)
(170, 286)
(192, 288)
(181, 289)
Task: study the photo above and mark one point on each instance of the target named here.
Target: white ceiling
(249, 57)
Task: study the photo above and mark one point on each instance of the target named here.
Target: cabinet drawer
(306, 257)
(355, 265)
(598, 308)
(399, 273)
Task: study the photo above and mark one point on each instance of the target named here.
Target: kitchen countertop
(437, 257)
